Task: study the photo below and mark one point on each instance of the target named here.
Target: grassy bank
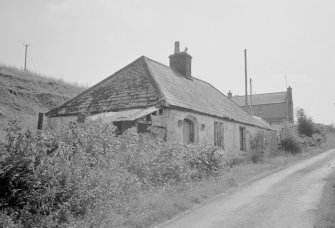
(23, 94)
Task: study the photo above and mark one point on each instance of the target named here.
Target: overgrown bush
(289, 140)
(316, 140)
(258, 146)
(311, 134)
(83, 174)
(305, 123)
(6, 221)
(203, 161)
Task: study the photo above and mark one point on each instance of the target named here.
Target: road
(287, 198)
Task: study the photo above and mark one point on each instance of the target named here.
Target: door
(188, 131)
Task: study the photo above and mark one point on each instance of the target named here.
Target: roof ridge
(153, 80)
(259, 94)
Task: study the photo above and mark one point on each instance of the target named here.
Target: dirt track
(287, 198)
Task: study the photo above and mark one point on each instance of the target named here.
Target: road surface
(288, 198)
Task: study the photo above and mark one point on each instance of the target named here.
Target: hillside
(23, 94)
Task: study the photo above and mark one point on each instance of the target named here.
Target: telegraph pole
(246, 80)
(25, 55)
(251, 112)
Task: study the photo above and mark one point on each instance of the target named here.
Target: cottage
(167, 101)
(275, 108)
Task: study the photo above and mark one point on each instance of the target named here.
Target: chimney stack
(230, 95)
(176, 47)
(181, 61)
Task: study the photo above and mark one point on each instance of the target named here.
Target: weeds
(83, 175)
(259, 145)
(84, 170)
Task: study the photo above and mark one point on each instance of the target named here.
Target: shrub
(7, 221)
(83, 170)
(289, 140)
(319, 139)
(315, 140)
(305, 124)
(258, 146)
(203, 161)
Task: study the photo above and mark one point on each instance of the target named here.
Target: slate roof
(128, 88)
(259, 99)
(145, 83)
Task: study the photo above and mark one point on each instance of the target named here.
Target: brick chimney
(181, 61)
(230, 95)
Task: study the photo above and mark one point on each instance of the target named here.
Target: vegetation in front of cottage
(82, 174)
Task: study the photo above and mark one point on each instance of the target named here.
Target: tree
(306, 126)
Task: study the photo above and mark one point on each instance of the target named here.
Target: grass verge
(325, 215)
(161, 206)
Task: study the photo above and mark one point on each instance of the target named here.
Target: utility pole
(25, 55)
(251, 112)
(246, 80)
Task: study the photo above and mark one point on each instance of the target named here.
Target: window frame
(192, 131)
(243, 138)
(218, 134)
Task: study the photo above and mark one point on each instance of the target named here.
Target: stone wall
(169, 126)
(204, 129)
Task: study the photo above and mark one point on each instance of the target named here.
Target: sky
(85, 41)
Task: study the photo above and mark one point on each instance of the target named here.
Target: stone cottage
(275, 108)
(166, 101)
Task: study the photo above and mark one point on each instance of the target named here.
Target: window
(188, 131)
(148, 117)
(218, 134)
(243, 145)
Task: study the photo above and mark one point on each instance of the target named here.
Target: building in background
(275, 108)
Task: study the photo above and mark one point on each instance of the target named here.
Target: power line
(25, 55)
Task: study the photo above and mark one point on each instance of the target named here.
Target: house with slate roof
(275, 108)
(166, 101)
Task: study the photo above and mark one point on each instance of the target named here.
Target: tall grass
(23, 94)
(20, 73)
(83, 174)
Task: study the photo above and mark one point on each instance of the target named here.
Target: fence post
(40, 121)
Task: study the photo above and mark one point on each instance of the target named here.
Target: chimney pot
(230, 95)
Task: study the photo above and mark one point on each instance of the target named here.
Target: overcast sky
(85, 41)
